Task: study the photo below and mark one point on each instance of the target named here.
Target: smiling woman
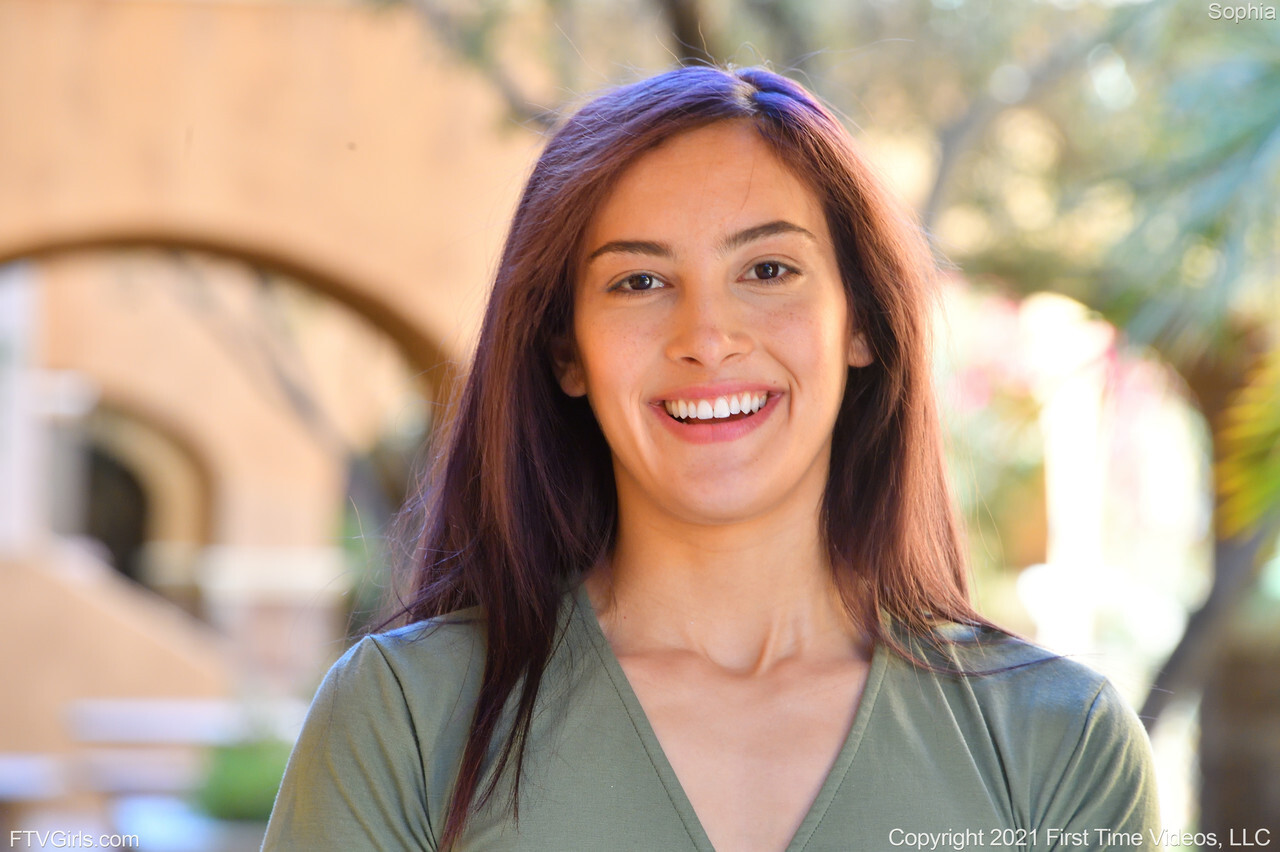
(710, 274)
(687, 574)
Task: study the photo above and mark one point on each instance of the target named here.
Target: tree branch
(956, 137)
(524, 109)
(684, 17)
(1187, 667)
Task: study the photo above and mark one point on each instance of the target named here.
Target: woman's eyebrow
(633, 247)
(728, 244)
(768, 229)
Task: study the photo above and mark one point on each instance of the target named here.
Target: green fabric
(1043, 756)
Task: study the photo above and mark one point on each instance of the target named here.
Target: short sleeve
(1106, 797)
(355, 778)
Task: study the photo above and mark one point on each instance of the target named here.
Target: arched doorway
(281, 392)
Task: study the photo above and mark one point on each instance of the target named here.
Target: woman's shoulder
(436, 661)
(431, 663)
(1028, 700)
(383, 735)
(1003, 661)
(1010, 689)
(996, 660)
(447, 641)
(1046, 737)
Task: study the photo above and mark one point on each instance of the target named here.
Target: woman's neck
(743, 596)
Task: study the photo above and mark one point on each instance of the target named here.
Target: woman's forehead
(703, 185)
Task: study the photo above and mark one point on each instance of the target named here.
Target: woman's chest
(680, 766)
(751, 754)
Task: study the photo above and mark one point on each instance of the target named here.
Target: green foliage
(366, 557)
(1187, 277)
(242, 780)
(1249, 472)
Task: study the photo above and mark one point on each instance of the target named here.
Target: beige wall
(185, 354)
(98, 637)
(330, 140)
(151, 354)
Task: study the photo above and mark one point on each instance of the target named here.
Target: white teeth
(718, 408)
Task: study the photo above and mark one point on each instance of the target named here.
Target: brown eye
(639, 282)
(769, 270)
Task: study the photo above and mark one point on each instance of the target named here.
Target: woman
(689, 576)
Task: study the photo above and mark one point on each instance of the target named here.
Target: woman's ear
(859, 350)
(568, 368)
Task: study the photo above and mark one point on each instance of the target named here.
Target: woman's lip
(713, 391)
(715, 431)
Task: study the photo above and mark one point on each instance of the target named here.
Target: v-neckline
(671, 782)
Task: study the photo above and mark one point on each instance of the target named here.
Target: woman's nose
(708, 329)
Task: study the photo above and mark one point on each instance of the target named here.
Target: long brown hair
(520, 500)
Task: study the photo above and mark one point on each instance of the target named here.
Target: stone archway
(330, 141)
(178, 486)
(176, 339)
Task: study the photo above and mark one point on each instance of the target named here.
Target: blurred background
(244, 246)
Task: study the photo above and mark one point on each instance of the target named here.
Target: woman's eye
(767, 270)
(639, 282)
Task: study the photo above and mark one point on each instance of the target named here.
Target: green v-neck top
(1045, 755)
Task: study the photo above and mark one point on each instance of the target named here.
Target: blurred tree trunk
(1239, 746)
(1213, 380)
(685, 20)
(1199, 651)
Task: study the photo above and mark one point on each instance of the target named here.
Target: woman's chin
(720, 494)
(723, 506)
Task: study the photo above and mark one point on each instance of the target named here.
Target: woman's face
(711, 332)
